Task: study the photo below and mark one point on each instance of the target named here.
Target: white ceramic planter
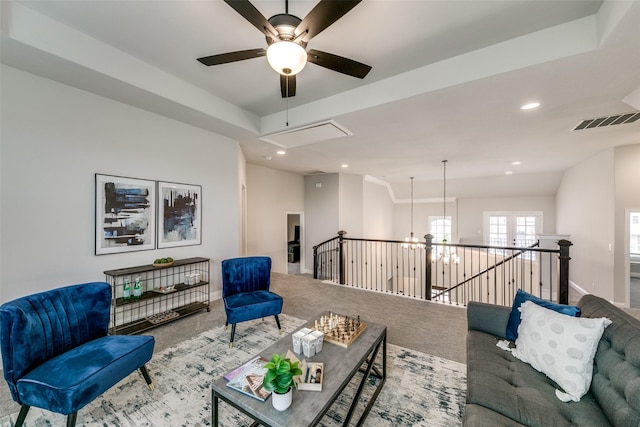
(282, 401)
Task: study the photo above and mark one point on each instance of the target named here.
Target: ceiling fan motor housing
(285, 24)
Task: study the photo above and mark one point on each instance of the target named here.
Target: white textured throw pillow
(560, 346)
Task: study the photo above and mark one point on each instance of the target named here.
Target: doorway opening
(295, 246)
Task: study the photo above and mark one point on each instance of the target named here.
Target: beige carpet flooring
(431, 328)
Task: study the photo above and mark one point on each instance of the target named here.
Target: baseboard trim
(216, 295)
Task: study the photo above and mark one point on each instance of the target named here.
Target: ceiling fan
(287, 37)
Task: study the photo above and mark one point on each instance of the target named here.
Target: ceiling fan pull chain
(287, 99)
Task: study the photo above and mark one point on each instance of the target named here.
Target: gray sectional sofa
(504, 391)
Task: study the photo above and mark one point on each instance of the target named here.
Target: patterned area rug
(421, 390)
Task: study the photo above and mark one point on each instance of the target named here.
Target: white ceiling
(447, 81)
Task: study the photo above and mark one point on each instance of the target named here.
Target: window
(518, 229)
(525, 231)
(498, 233)
(440, 228)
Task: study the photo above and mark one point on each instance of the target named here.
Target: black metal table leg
(383, 376)
(214, 408)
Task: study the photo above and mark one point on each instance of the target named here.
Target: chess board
(342, 332)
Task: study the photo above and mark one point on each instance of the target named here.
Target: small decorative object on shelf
(126, 290)
(163, 262)
(137, 288)
(174, 291)
(162, 317)
(279, 380)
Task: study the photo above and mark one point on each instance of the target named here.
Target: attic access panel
(306, 135)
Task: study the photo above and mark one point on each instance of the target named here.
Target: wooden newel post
(563, 279)
(342, 257)
(429, 251)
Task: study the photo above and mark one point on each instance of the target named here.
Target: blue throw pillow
(521, 297)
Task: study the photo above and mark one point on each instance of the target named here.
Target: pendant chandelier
(411, 242)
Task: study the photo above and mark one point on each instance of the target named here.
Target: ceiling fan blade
(253, 15)
(225, 58)
(322, 15)
(287, 86)
(338, 63)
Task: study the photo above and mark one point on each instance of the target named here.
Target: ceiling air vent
(306, 135)
(618, 119)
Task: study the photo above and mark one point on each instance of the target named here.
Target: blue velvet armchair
(245, 291)
(56, 351)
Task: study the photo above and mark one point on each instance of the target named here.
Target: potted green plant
(279, 380)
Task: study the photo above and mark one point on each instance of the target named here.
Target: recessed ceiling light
(344, 165)
(530, 106)
(516, 163)
(508, 173)
(281, 152)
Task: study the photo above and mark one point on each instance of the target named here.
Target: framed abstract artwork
(179, 214)
(125, 214)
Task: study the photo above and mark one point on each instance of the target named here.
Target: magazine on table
(249, 379)
(231, 375)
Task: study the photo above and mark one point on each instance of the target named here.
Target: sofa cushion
(489, 318)
(616, 366)
(479, 416)
(499, 382)
(560, 346)
(521, 297)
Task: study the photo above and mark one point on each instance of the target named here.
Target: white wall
(627, 193)
(421, 213)
(470, 213)
(271, 194)
(321, 207)
(467, 215)
(351, 201)
(377, 211)
(54, 139)
(585, 210)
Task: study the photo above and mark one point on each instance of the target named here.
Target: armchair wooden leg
(71, 419)
(226, 324)
(233, 333)
(22, 415)
(147, 378)
(278, 323)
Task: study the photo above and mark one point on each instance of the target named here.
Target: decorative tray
(162, 317)
(166, 264)
(165, 290)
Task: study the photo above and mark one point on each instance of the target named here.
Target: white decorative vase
(282, 401)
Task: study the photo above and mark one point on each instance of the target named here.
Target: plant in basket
(279, 380)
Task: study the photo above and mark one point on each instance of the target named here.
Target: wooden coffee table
(308, 407)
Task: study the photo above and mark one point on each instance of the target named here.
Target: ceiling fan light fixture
(286, 58)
